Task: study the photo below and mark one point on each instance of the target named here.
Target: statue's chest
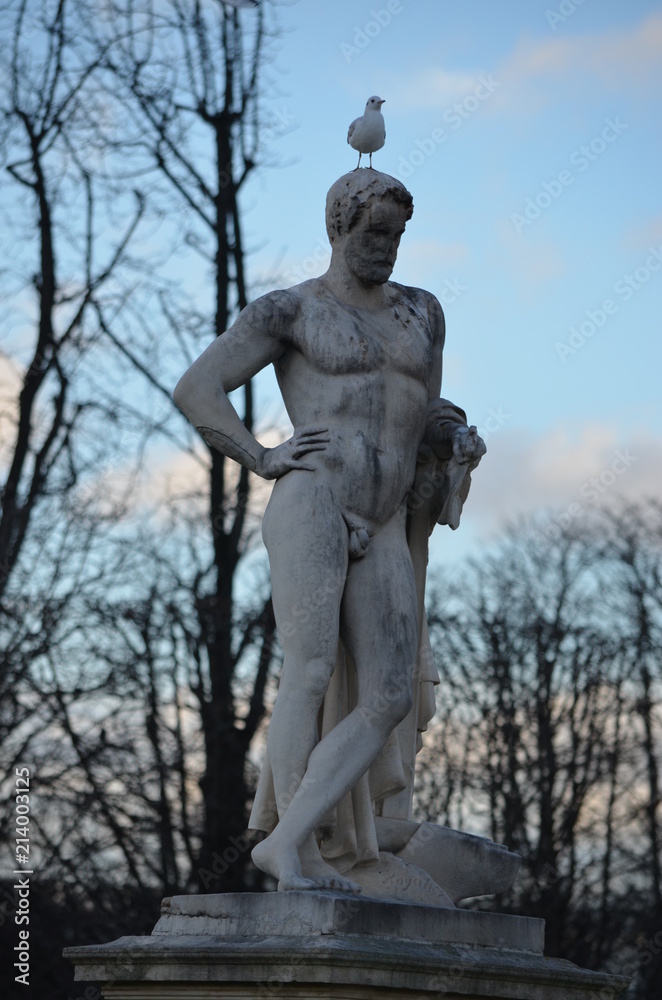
(349, 341)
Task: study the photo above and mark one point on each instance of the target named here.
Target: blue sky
(529, 135)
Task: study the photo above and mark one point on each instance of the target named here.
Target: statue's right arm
(258, 337)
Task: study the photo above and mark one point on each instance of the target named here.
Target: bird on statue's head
(367, 134)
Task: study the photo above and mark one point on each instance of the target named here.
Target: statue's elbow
(182, 393)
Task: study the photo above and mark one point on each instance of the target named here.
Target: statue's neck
(344, 284)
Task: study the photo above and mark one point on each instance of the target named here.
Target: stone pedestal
(320, 945)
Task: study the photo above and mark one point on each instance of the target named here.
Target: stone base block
(320, 945)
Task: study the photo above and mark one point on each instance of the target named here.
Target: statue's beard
(372, 272)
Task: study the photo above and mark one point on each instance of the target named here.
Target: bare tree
(63, 255)
(146, 114)
(632, 555)
(548, 739)
(188, 77)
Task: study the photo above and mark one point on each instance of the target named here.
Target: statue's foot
(326, 877)
(285, 865)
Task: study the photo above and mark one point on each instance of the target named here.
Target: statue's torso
(365, 377)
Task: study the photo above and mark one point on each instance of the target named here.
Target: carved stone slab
(319, 945)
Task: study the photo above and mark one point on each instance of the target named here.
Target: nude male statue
(358, 360)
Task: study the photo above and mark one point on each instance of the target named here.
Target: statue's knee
(390, 706)
(402, 706)
(317, 676)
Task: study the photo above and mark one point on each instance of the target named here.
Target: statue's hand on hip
(293, 453)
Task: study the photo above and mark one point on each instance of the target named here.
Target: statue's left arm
(450, 449)
(447, 433)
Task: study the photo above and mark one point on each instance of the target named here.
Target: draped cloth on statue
(348, 833)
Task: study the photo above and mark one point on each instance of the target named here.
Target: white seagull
(367, 134)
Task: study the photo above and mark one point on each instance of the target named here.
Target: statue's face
(371, 248)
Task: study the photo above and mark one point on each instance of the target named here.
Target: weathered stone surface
(296, 945)
(297, 914)
(464, 864)
(391, 878)
(375, 459)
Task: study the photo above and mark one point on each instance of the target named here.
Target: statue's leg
(307, 542)
(379, 628)
(306, 539)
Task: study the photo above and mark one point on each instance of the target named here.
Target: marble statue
(375, 460)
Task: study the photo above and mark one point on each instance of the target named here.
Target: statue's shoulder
(274, 312)
(309, 290)
(290, 303)
(281, 306)
(310, 297)
(421, 301)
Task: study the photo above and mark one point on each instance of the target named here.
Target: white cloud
(431, 87)
(616, 60)
(10, 377)
(523, 473)
(10, 383)
(176, 477)
(644, 236)
(623, 60)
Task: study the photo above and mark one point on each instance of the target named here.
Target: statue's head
(352, 193)
(366, 213)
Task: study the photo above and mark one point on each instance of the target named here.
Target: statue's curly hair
(353, 191)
